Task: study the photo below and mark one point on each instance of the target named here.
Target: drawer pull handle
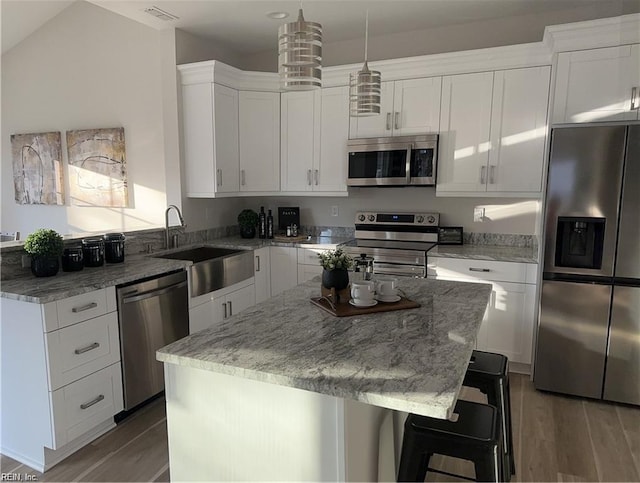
(92, 305)
(91, 403)
(479, 269)
(95, 345)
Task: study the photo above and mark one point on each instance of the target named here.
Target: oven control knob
(419, 218)
(431, 219)
(361, 217)
(372, 218)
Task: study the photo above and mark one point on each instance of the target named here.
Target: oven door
(424, 159)
(399, 270)
(379, 164)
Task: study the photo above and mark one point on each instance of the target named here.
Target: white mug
(362, 291)
(387, 286)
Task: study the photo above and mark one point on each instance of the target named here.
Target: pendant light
(300, 54)
(364, 86)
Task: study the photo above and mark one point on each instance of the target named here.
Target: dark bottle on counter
(262, 224)
(269, 225)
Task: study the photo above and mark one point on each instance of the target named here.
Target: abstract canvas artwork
(97, 167)
(37, 168)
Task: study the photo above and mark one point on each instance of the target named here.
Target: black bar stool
(489, 373)
(474, 436)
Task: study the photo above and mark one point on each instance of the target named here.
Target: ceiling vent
(161, 14)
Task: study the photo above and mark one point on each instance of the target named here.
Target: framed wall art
(97, 167)
(37, 168)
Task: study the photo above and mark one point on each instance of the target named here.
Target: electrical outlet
(478, 214)
(334, 211)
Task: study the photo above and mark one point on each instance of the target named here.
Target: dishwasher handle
(153, 293)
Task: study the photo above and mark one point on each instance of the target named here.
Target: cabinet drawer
(85, 404)
(81, 307)
(478, 269)
(81, 349)
(309, 256)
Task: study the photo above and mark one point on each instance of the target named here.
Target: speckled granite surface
(411, 360)
(486, 252)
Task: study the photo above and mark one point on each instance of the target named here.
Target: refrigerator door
(572, 338)
(585, 175)
(622, 377)
(628, 259)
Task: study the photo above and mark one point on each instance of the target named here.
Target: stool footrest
(433, 470)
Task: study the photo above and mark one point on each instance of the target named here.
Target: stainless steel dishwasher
(151, 314)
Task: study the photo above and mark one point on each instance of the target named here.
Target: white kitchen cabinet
(259, 119)
(494, 131)
(284, 269)
(464, 132)
(262, 274)
(69, 353)
(598, 85)
(331, 172)
(212, 308)
(309, 263)
(509, 321)
(518, 130)
(406, 107)
(211, 149)
(300, 139)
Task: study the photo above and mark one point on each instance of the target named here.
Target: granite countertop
(410, 360)
(135, 267)
(486, 252)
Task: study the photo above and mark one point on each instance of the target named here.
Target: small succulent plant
(44, 243)
(335, 259)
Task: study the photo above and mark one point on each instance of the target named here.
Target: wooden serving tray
(347, 310)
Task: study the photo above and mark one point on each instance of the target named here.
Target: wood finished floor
(556, 438)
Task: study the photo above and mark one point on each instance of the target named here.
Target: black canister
(114, 247)
(93, 252)
(72, 259)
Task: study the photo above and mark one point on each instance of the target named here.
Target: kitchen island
(286, 391)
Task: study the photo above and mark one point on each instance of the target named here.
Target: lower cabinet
(262, 274)
(210, 309)
(284, 269)
(509, 321)
(308, 263)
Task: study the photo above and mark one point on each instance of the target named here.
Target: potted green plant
(335, 264)
(248, 219)
(45, 247)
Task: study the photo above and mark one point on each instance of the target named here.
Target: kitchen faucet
(167, 243)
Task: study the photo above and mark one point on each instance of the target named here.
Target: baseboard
(51, 457)
(520, 368)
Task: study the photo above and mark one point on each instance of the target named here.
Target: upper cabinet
(259, 141)
(210, 125)
(598, 85)
(493, 133)
(314, 134)
(406, 107)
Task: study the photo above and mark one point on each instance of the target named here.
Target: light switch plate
(478, 214)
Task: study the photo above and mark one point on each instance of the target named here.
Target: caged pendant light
(300, 54)
(364, 86)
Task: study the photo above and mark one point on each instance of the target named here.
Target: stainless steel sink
(214, 268)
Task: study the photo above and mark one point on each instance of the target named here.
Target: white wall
(191, 48)
(88, 68)
(464, 36)
(502, 215)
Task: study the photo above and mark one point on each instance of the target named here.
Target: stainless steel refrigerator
(588, 340)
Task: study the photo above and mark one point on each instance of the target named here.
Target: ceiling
(243, 26)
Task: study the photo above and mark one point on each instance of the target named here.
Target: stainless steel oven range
(398, 242)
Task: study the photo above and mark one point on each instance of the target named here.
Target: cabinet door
(225, 128)
(240, 300)
(307, 272)
(259, 141)
(518, 129)
(206, 315)
(331, 172)
(416, 106)
(299, 139)
(464, 132)
(379, 125)
(284, 269)
(262, 274)
(596, 85)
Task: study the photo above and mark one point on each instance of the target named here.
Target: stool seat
(474, 436)
(487, 363)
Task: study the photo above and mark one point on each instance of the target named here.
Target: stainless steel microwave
(395, 161)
